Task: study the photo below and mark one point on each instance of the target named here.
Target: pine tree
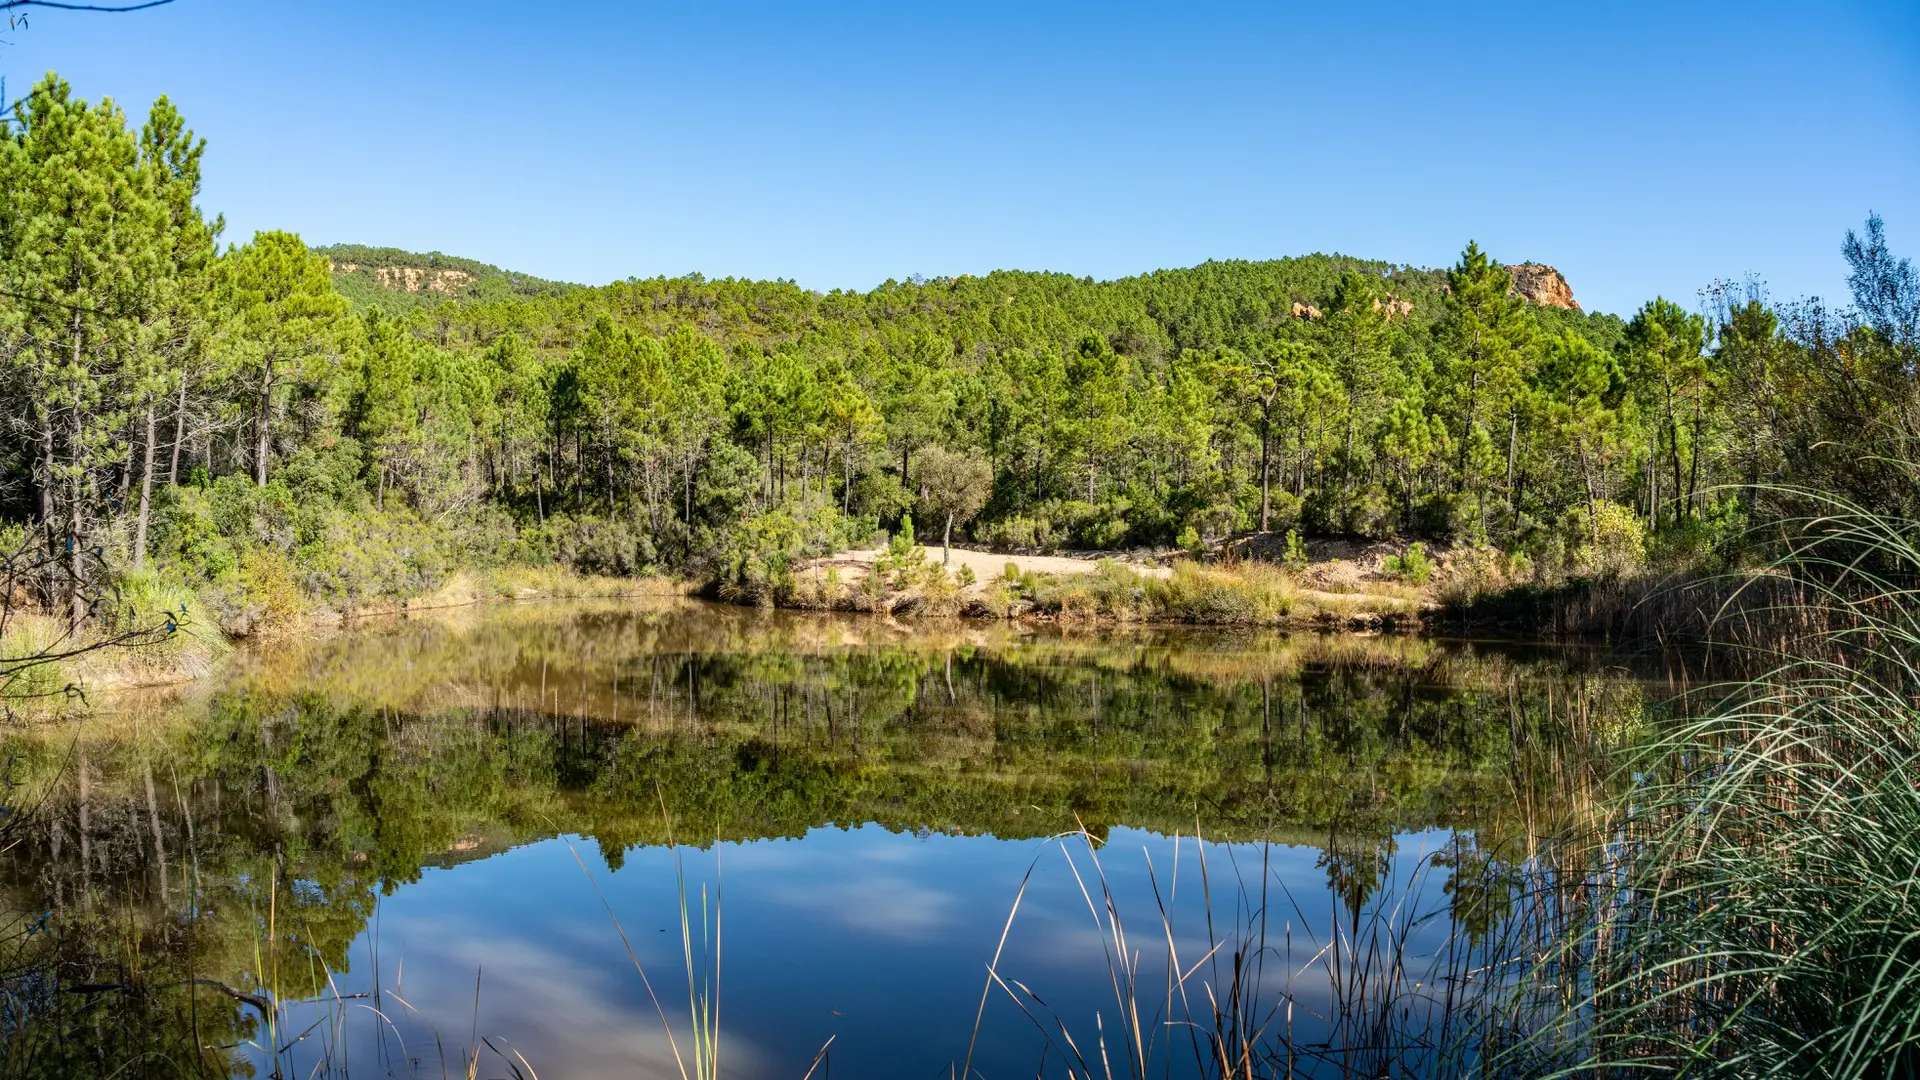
(82, 248)
(1486, 343)
(285, 323)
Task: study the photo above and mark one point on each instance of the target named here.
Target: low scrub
(1252, 594)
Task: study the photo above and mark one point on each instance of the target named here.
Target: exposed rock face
(1542, 285)
(1396, 307)
(413, 278)
(410, 279)
(1305, 311)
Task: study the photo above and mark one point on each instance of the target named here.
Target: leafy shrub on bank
(1609, 543)
(755, 559)
(1414, 565)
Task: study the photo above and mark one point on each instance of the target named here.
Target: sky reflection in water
(867, 798)
(875, 937)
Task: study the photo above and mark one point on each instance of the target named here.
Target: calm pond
(478, 830)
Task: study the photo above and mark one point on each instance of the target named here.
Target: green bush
(1612, 543)
(1294, 557)
(1413, 566)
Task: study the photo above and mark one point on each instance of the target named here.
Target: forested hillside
(397, 281)
(350, 422)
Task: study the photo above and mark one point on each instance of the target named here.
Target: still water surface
(435, 835)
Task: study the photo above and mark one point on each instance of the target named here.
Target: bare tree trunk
(76, 572)
(86, 830)
(179, 433)
(44, 474)
(1653, 484)
(1266, 467)
(146, 498)
(1586, 481)
(946, 541)
(159, 843)
(1513, 449)
(261, 423)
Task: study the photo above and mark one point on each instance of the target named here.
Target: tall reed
(1756, 901)
(1272, 991)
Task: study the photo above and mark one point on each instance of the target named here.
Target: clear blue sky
(1642, 148)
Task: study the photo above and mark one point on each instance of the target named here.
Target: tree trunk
(261, 421)
(1653, 483)
(76, 599)
(146, 498)
(76, 572)
(44, 474)
(1586, 481)
(1266, 468)
(1466, 425)
(1693, 463)
(159, 837)
(1513, 449)
(179, 434)
(946, 541)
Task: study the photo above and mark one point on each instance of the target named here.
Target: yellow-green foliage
(26, 636)
(148, 600)
(1253, 593)
(1413, 566)
(1111, 590)
(1611, 543)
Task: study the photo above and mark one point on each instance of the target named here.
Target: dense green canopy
(357, 421)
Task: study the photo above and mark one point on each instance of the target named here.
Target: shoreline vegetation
(249, 432)
(209, 443)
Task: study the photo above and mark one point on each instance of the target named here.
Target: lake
(515, 830)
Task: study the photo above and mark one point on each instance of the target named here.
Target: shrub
(1414, 566)
(1018, 533)
(1111, 590)
(1252, 595)
(1475, 571)
(1610, 543)
(1294, 557)
(754, 559)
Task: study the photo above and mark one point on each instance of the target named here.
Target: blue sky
(1641, 148)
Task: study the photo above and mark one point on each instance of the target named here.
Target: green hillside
(396, 281)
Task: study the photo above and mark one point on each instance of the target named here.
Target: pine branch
(9, 5)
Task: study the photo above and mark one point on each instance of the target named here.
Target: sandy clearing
(988, 564)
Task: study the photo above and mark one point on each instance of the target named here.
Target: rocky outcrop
(1305, 311)
(410, 279)
(1396, 307)
(1542, 285)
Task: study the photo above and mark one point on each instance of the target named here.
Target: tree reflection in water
(191, 858)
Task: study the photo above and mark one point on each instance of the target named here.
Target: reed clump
(1753, 907)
